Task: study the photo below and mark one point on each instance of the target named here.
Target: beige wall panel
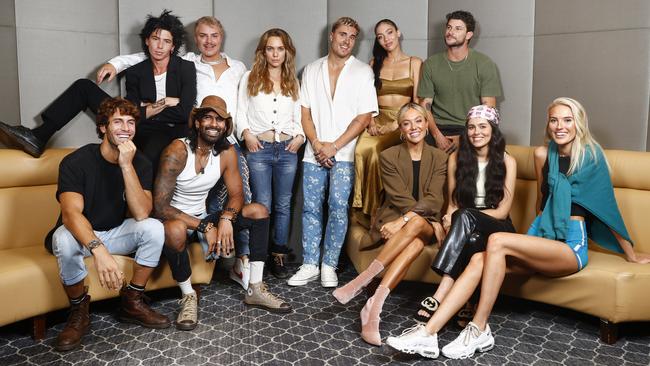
(589, 68)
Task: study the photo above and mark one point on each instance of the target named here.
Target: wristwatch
(93, 244)
(406, 218)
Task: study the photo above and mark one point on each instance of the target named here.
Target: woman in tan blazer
(413, 175)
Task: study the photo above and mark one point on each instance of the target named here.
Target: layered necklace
(203, 160)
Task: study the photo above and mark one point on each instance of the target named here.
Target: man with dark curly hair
(454, 80)
(105, 195)
(163, 87)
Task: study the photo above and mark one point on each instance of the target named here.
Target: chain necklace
(459, 64)
(212, 63)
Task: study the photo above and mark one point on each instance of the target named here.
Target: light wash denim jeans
(338, 181)
(272, 172)
(145, 238)
(218, 197)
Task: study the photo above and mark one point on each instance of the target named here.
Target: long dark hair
(193, 134)
(379, 54)
(467, 171)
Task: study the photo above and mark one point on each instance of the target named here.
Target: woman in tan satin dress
(396, 79)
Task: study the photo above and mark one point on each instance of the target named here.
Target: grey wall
(9, 96)
(597, 51)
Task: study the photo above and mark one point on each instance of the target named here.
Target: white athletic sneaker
(241, 272)
(416, 340)
(470, 340)
(328, 277)
(306, 273)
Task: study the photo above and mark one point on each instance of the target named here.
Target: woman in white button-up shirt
(268, 120)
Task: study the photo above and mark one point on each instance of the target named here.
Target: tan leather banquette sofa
(609, 287)
(29, 280)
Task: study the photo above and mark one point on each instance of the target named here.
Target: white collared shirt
(265, 112)
(206, 82)
(355, 94)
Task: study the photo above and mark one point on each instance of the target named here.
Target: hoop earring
(401, 136)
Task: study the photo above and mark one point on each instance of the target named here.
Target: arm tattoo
(172, 163)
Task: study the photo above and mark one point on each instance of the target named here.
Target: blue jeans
(338, 181)
(145, 238)
(272, 172)
(218, 197)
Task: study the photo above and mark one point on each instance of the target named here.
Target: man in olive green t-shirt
(455, 80)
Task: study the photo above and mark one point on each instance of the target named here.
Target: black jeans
(151, 138)
(470, 229)
(179, 262)
(81, 95)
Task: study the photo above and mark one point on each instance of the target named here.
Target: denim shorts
(576, 239)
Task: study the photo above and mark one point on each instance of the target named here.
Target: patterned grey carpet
(319, 332)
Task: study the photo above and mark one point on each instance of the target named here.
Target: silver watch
(93, 244)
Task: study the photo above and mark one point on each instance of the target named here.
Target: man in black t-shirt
(105, 195)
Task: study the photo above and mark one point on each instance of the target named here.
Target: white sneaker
(470, 340)
(306, 273)
(328, 277)
(241, 272)
(416, 340)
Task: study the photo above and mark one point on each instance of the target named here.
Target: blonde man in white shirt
(268, 120)
(338, 100)
(216, 74)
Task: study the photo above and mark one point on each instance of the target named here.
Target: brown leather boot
(134, 310)
(78, 324)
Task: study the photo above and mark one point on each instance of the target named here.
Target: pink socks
(353, 288)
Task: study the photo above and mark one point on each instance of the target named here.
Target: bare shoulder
(174, 153)
(510, 161)
(228, 157)
(540, 153)
(416, 61)
(452, 159)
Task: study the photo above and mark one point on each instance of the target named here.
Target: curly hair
(193, 134)
(464, 16)
(467, 171)
(165, 21)
(108, 108)
(379, 54)
(259, 79)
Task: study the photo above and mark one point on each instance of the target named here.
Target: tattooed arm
(442, 142)
(172, 162)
